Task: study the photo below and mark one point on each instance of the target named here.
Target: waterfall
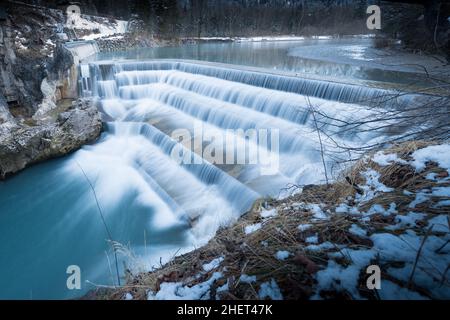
(187, 148)
(178, 120)
(163, 96)
(329, 90)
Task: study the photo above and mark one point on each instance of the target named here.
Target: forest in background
(422, 25)
(201, 18)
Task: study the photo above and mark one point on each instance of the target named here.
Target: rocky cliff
(34, 68)
(30, 51)
(23, 145)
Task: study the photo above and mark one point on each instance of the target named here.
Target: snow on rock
(252, 228)
(213, 264)
(439, 154)
(268, 213)
(177, 291)
(247, 279)
(386, 159)
(282, 255)
(270, 290)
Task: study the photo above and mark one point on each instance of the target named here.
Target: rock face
(33, 70)
(27, 144)
(29, 52)
(124, 42)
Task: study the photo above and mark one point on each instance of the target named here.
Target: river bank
(390, 210)
(316, 243)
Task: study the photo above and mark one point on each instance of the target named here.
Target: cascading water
(163, 172)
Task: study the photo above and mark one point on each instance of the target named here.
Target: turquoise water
(49, 219)
(355, 58)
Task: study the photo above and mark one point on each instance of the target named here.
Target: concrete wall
(80, 50)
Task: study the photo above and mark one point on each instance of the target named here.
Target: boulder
(24, 145)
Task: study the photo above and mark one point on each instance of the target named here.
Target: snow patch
(440, 223)
(317, 211)
(406, 221)
(128, 296)
(268, 213)
(337, 277)
(323, 246)
(304, 227)
(252, 228)
(439, 154)
(387, 159)
(441, 192)
(270, 290)
(372, 187)
(282, 255)
(213, 264)
(377, 208)
(391, 291)
(177, 291)
(247, 279)
(357, 230)
(312, 239)
(421, 197)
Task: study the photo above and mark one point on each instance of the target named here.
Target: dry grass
(254, 253)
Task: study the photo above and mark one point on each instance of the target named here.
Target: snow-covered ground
(91, 28)
(403, 231)
(280, 38)
(416, 242)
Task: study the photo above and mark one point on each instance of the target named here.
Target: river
(154, 202)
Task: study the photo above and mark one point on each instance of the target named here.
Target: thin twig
(418, 255)
(103, 220)
(320, 140)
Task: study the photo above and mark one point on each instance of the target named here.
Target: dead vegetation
(254, 254)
